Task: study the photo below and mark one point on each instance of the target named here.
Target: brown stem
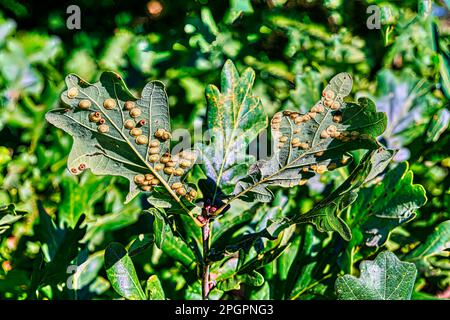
(206, 234)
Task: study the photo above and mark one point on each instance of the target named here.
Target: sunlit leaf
(116, 134)
(438, 124)
(326, 214)
(61, 247)
(309, 144)
(121, 273)
(235, 118)
(253, 278)
(8, 216)
(385, 278)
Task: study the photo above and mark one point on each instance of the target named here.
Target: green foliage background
(295, 47)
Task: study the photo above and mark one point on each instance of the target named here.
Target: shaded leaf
(194, 292)
(142, 242)
(159, 227)
(385, 278)
(112, 221)
(61, 248)
(121, 273)
(79, 197)
(261, 293)
(303, 269)
(178, 249)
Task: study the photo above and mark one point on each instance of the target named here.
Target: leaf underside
(118, 151)
(388, 204)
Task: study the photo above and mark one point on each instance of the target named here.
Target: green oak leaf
(383, 206)
(110, 146)
(62, 246)
(385, 278)
(253, 278)
(235, 117)
(325, 214)
(435, 243)
(159, 227)
(154, 289)
(170, 241)
(8, 216)
(141, 243)
(121, 273)
(314, 142)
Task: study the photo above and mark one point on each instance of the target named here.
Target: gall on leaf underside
(118, 134)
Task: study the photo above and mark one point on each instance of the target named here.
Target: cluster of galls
(332, 131)
(297, 118)
(134, 126)
(329, 101)
(96, 117)
(321, 168)
(85, 104)
(162, 134)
